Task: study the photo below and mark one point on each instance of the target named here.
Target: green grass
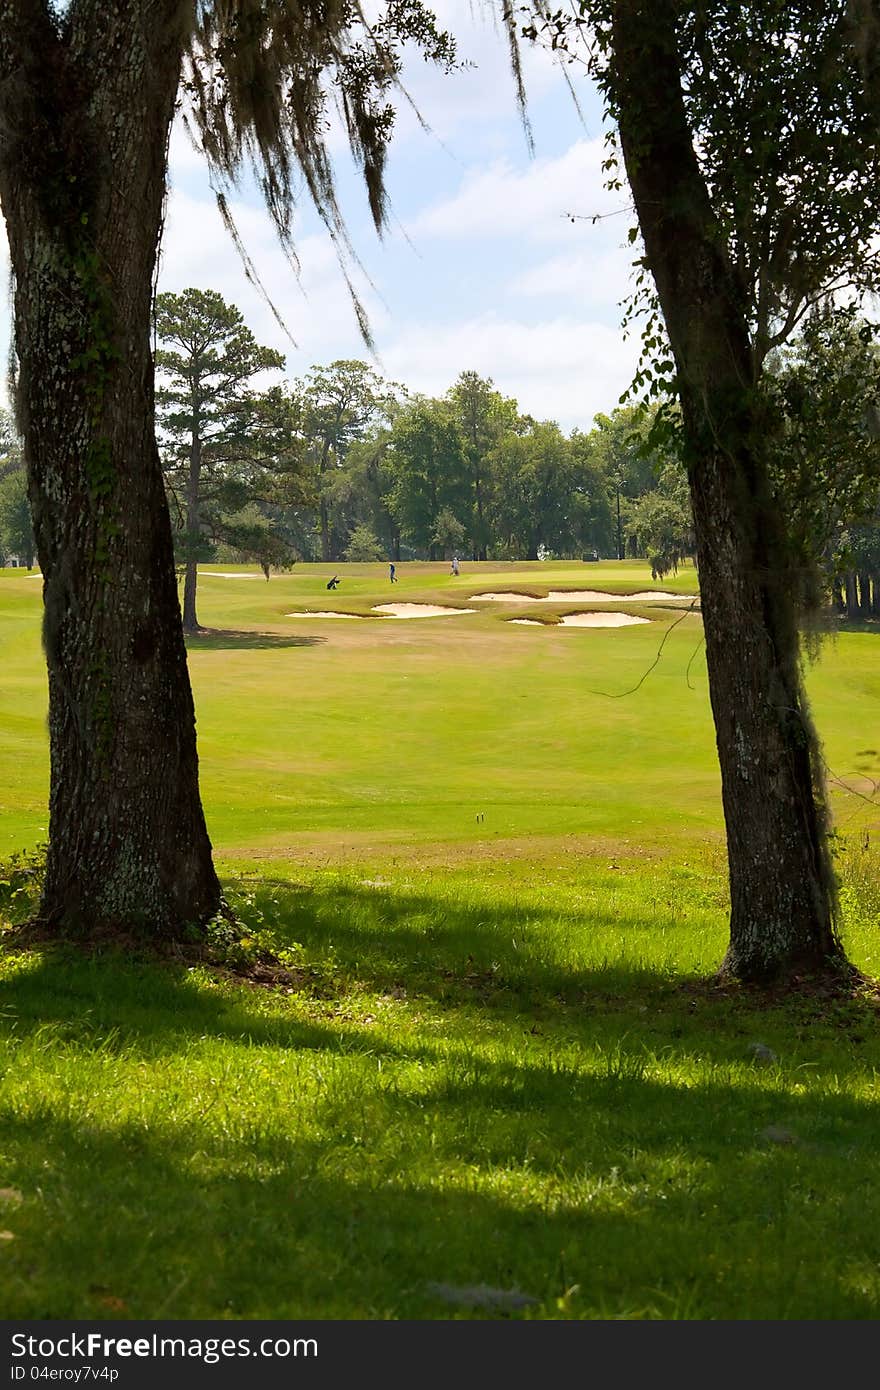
(493, 1064)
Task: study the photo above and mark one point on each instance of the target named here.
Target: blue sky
(481, 268)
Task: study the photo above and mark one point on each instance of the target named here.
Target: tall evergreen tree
(535, 504)
(219, 440)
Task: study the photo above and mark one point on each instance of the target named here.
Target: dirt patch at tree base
(823, 991)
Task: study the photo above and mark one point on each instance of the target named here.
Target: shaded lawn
(426, 1107)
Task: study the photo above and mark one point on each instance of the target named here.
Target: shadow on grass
(839, 622)
(217, 639)
(446, 1101)
(456, 947)
(628, 1200)
(358, 950)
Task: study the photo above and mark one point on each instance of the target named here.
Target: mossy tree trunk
(780, 879)
(86, 102)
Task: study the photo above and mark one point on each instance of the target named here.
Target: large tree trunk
(82, 178)
(781, 883)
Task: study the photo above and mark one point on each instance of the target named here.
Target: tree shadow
(841, 623)
(446, 947)
(188, 1151)
(359, 950)
(211, 639)
(214, 1207)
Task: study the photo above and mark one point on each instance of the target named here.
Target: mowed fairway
(496, 1083)
(328, 739)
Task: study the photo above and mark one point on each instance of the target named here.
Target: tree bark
(781, 884)
(86, 103)
(864, 594)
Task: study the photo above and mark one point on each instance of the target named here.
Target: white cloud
(559, 369)
(315, 306)
(592, 274)
(532, 202)
(183, 157)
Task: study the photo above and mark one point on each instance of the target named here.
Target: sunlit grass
(495, 1062)
(454, 1092)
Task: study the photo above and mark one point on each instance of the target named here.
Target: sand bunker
(508, 598)
(597, 596)
(527, 622)
(323, 613)
(219, 574)
(581, 596)
(418, 610)
(600, 620)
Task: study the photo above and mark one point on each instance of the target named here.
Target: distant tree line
(343, 465)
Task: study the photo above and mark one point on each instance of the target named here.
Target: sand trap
(418, 610)
(527, 622)
(508, 598)
(597, 596)
(581, 596)
(218, 574)
(323, 613)
(600, 620)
